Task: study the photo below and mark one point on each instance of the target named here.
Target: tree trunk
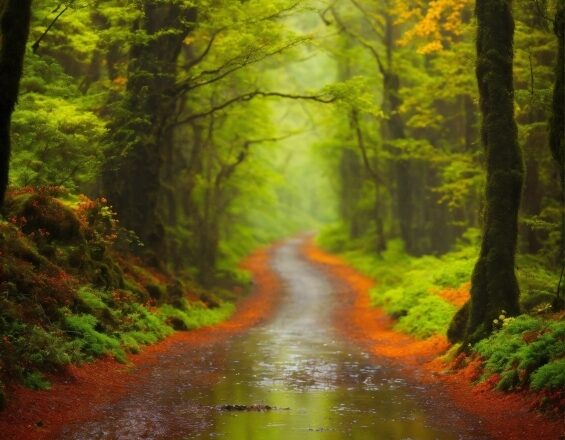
(394, 129)
(14, 31)
(351, 182)
(494, 287)
(141, 133)
(557, 125)
(557, 129)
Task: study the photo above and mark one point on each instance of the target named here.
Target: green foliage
(549, 376)
(58, 139)
(33, 347)
(142, 320)
(537, 283)
(525, 351)
(334, 238)
(93, 341)
(36, 381)
(406, 287)
(193, 317)
(89, 297)
(431, 315)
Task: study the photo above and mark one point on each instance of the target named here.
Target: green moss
(451, 354)
(458, 325)
(47, 215)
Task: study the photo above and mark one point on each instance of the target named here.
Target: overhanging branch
(35, 45)
(231, 66)
(323, 99)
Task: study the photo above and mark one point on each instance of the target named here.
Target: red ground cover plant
(506, 416)
(76, 393)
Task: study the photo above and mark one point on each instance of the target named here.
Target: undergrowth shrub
(71, 291)
(525, 351)
(334, 238)
(142, 320)
(407, 289)
(195, 316)
(431, 315)
(32, 347)
(36, 381)
(91, 298)
(93, 341)
(549, 376)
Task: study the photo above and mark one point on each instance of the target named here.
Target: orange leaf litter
(506, 416)
(33, 415)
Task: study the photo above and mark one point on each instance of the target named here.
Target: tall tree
(557, 123)
(494, 287)
(132, 178)
(14, 31)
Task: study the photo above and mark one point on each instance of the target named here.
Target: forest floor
(83, 392)
(505, 415)
(77, 392)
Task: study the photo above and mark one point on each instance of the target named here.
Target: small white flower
(495, 321)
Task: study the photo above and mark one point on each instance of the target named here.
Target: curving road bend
(320, 387)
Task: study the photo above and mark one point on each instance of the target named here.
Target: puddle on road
(332, 390)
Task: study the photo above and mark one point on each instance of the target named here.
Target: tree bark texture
(132, 178)
(14, 31)
(494, 287)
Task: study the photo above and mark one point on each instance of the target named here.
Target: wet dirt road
(320, 387)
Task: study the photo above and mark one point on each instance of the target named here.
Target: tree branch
(35, 45)
(246, 60)
(367, 18)
(248, 97)
(361, 144)
(206, 50)
(361, 41)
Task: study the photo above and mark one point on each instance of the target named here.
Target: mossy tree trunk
(132, 179)
(557, 127)
(494, 287)
(14, 31)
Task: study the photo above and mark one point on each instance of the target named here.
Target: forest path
(320, 385)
